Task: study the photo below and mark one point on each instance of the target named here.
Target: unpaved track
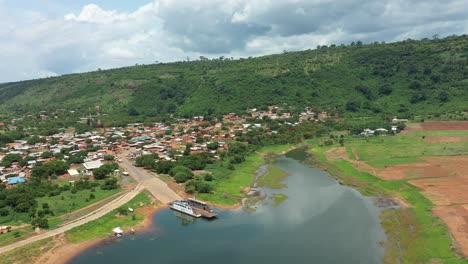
(157, 187)
(107, 208)
(145, 179)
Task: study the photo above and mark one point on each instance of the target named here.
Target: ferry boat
(184, 207)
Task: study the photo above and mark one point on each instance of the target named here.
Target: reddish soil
(445, 125)
(446, 139)
(443, 180)
(444, 191)
(339, 153)
(412, 127)
(412, 171)
(63, 251)
(456, 218)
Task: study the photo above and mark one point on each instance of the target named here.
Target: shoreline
(63, 251)
(411, 221)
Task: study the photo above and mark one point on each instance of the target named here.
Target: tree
(57, 167)
(212, 145)
(443, 96)
(106, 169)
(110, 184)
(4, 212)
(47, 154)
(109, 157)
(353, 106)
(40, 222)
(164, 166)
(9, 159)
(147, 161)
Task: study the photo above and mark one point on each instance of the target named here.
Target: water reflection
(185, 219)
(320, 222)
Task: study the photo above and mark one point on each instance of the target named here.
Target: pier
(202, 208)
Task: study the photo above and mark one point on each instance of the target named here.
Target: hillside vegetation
(404, 78)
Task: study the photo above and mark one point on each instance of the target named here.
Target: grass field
(103, 226)
(278, 198)
(27, 253)
(68, 202)
(230, 184)
(423, 238)
(273, 179)
(404, 148)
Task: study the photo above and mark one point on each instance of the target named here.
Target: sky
(42, 38)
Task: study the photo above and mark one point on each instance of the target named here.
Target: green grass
(273, 178)
(278, 198)
(15, 235)
(27, 253)
(423, 237)
(404, 148)
(14, 218)
(350, 153)
(68, 202)
(229, 191)
(230, 184)
(103, 226)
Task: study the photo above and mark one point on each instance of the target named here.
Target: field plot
(456, 218)
(445, 125)
(432, 156)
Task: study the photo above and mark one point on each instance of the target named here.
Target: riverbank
(414, 234)
(64, 250)
(64, 247)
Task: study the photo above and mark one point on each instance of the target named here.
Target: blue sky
(40, 38)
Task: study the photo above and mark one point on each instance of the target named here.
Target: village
(90, 150)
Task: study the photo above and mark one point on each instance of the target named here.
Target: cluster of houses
(167, 141)
(18, 173)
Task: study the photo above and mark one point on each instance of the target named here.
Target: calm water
(321, 222)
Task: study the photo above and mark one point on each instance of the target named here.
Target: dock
(204, 213)
(202, 208)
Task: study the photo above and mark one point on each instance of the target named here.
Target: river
(320, 222)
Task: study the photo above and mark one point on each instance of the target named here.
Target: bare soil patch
(63, 251)
(339, 153)
(446, 139)
(412, 127)
(445, 125)
(456, 218)
(411, 171)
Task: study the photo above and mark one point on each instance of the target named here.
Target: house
(381, 131)
(73, 172)
(91, 165)
(368, 132)
(15, 180)
(399, 120)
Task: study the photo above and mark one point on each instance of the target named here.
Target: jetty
(202, 208)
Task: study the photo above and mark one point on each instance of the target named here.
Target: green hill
(404, 78)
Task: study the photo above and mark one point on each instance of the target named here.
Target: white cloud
(38, 43)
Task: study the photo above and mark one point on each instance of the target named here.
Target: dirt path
(77, 222)
(339, 153)
(157, 187)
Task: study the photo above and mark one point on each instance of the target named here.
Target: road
(145, 179)
(107, 208)
(157, 187)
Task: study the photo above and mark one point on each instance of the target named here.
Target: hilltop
(425, 77)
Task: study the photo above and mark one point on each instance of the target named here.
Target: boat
(118, 232)
(184, 207)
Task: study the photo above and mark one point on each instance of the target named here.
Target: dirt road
(107, 208)
(145, 180)
(157, 187)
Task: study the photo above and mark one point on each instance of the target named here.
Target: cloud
(41, 43)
